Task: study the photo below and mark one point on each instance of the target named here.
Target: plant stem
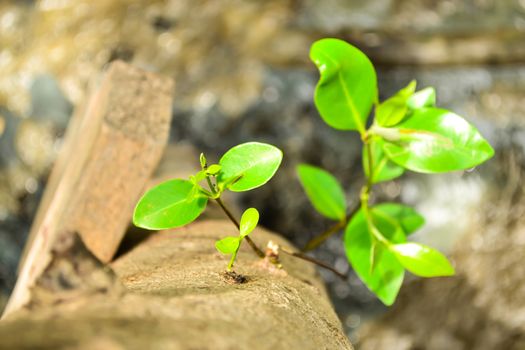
(365, 195)
(314, 261)
(369, 182)
(228, 213)
(329, 232)
(232, 260)
(261, 254)
(319, 239)
(210, 184)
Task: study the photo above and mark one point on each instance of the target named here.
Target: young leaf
(227, 183)
(422, 260)
(202, 160)
(347, 88)
(228, 245)
(323, 190)
(406, 217)
(422, 98)
(249, 220)
(384, 168)
(171, 204)
(201, 175)
(435, 140)
(394, 109)
(386, 276)
(213, 169)
(253, 163)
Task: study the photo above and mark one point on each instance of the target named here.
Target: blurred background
(242, 73)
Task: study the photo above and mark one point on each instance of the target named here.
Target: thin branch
(329, 232)
(314, 261)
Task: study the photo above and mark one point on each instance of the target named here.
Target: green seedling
(408, 132)
(178, 202)
(231, 245)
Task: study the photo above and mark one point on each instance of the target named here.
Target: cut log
(109, 153)
(170, 293)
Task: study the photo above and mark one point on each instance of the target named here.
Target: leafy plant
(178, 202)
(407, 133)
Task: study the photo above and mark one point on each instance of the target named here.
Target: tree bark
(170, 292)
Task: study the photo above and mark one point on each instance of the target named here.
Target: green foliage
(228, 245)
(252, 164)
(377, 267)
(324, 191)
(213, 169)
(422, 260)
(435, 140)
(408, 133)
(384, 168)
(406, 217)
(393, 110)
(347, 88)
(249, 220)
(231, 245)
(171, 204)
(178, 202)
(422, 98)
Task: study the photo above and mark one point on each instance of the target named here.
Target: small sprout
(178, 202)
(231, 245)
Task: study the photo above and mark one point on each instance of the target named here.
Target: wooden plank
(108, 156)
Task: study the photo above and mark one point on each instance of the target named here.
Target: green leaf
(422, 98)
(435, 140)
(347, 88)
(406, 217)
(228, 245)
(323, 190)
(384, 168)
(170, 204)
(386, 276)
(213, 169)
(422, 260)
(255, 163)
(249, 220)
(201, 175)
(393, 110)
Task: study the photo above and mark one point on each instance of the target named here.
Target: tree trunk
(170, 292)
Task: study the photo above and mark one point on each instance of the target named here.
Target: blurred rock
(48, 103)
(422, 31)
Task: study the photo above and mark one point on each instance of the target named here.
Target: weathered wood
(109, 153)
(169, 293)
